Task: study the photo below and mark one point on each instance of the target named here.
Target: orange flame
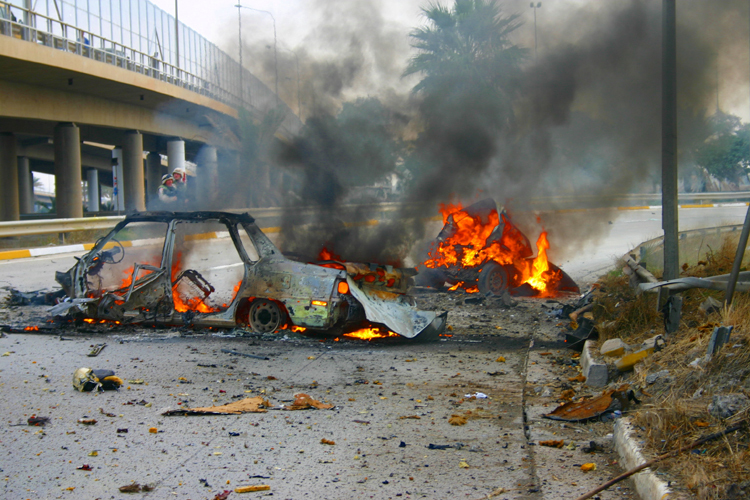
(471, 246)
(298, 329)
(31, 329)
(326, 254)
(539, 272)
(371, 333)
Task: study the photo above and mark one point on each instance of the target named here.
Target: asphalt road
(393, 399)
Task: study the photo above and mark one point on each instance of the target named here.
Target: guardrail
(650, 199)
(53, 226)
(378, 210)
(61, 226)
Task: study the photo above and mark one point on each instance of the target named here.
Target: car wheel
(265, 316)
(493, 279)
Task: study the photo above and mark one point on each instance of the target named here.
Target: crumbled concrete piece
(726, 405)
(697, 363)
(613, 347)
(547, 392)
(710, 305)
(656, 342)
(654, 377)
(596, 372)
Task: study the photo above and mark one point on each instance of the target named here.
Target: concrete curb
(648, 486)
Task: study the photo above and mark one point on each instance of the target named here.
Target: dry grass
(675, 412)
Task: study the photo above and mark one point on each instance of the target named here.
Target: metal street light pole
(538, 5)
(299, 101)
(177, 34)
(239, 23)
(275, 53)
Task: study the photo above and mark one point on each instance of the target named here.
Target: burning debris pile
(480, 250)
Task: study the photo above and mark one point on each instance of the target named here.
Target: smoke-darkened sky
(588, 119)
(304, 24)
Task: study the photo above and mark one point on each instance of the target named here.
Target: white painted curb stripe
(37, 252)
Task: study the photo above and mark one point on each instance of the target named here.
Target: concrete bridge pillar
(25, 186)
(92, 178)
(175, 154)
(132, 169)
(118, 196)
(68, 191)
(8, 178)
(208, 177)
(153, 176)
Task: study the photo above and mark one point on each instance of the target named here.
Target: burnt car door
(124, 275)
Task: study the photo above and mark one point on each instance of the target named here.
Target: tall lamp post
(239, 22)
(535, 6)
(299, 101)
(275, 53)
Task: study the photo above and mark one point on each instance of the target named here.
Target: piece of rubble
(710, 306)
(596, 372)
(656, 342)
(585, 329)
(648, 347)
(613, 347)
(652, 378)
(719, 337)
(726, 405)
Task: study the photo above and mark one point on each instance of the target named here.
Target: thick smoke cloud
(587, 122)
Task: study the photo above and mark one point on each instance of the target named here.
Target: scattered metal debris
(608, 401)
(95, 350)
(39, 298)
(237, 353)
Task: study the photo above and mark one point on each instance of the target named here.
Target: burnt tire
(265, 316)
(493, 279)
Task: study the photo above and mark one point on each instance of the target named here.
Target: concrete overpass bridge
(104, 94)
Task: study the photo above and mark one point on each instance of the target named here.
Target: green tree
(465, 50)
(471, 75)
(726, 153)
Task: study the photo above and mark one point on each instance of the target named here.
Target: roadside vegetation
(675, 410)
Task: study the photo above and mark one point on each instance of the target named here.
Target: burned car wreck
(480, 250)
(219, 269)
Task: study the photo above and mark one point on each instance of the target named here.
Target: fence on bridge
(138, 36)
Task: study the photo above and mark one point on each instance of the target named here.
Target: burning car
(219, 269)
(480, 250)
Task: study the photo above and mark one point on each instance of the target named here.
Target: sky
(305, 26)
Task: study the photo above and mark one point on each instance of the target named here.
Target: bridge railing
(223, 84)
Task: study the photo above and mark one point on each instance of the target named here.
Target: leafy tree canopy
(463, 52)
(726, 153)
